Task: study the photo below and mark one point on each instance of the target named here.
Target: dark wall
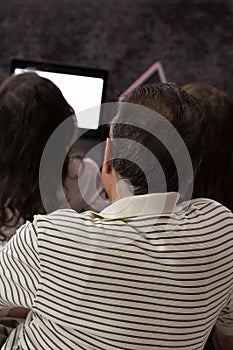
(193, 39)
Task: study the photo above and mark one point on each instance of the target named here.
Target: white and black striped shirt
(127, 278)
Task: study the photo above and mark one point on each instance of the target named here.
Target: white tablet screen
(81, 92)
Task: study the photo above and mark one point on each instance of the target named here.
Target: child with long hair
(31, 109)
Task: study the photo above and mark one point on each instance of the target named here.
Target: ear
(107, 166)
(108, 174)
(107, 171)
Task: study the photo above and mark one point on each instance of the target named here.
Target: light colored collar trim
(142, 205)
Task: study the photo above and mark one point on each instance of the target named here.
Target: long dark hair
(215, 176)
(31, 108)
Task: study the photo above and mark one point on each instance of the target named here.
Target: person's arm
(18, 312)
(19, 269)
(222, 341)
(223, 333)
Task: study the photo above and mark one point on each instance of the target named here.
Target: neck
(122, 188)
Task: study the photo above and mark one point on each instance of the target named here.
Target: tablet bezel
(55, 67)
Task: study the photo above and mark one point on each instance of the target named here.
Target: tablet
(83, 88)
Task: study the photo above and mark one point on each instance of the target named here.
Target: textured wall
(193, 39)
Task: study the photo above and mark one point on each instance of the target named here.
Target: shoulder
(209, 213)
(207, 205)
(66, 227)
(63, 219)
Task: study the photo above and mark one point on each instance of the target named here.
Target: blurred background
(192, 39)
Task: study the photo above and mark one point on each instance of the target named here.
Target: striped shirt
(137, 276)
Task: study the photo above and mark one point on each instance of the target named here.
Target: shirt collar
(141, 205)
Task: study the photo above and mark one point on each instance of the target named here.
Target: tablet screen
(82, 89)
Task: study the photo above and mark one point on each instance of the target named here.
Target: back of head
(181, 110)
(31, 108)
(215, 176)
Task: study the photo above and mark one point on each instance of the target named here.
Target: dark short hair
(214, 178)
(31, 108)
(183, 111)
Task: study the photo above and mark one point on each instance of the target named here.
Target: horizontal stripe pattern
(153, 282)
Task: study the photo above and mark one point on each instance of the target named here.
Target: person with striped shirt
(153, 270)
